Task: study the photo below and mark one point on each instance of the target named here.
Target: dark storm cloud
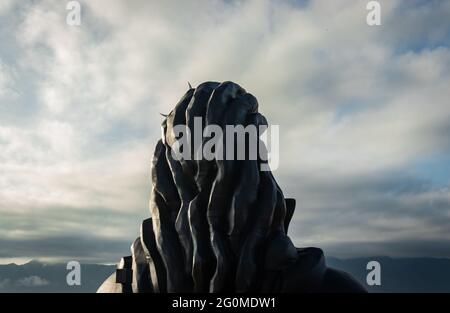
(400, 213)
(83, 249)
(416, 248)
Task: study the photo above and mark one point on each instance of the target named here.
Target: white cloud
(5, 6)
(32, 281)
(7, 81)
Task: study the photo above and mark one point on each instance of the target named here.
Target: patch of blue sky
(434, 30)
(353, 106)
(434, 168)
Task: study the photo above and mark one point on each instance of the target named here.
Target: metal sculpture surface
(219, 225)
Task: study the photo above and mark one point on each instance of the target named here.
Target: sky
(363, 111)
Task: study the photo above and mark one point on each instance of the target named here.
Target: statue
(219, 225)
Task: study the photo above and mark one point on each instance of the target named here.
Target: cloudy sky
(364, 117)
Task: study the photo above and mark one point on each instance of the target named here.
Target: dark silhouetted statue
(219, 225)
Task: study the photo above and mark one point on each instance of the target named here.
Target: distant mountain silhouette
(397, 275)
(400, 274)
(35, 276)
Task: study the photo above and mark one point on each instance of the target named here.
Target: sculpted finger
(252, 249)
(186, 190)
(161, 199)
